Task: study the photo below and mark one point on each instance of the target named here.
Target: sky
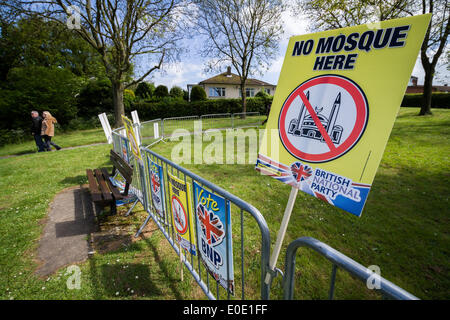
(190, 70)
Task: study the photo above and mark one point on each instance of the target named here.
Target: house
(414, 88)
(227, 86)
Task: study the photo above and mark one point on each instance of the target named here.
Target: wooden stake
(281, 232)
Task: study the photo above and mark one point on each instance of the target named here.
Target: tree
(95, 98)
(433, 46)
(38, 88)
(243, 33)
(176, 92)
(335, 14)
(198, 93)
(145, 90)
(121, 31)
(161, 91)
(32, 41)
(331, 14)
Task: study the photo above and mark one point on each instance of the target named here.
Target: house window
(267, 90)
(217, 92)
(249, 92)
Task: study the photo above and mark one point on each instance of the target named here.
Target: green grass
(404, 226)
(65, 140)
(403, 229)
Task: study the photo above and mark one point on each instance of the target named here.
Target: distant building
(227, 85)
(414, 88)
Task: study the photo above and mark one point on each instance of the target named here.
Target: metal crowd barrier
(150, 132)
(169, 125)
(216, 121)
(247, 119)
(338, 260)
(242, 214)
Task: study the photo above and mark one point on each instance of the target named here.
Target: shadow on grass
(80, 180)
(133, 280)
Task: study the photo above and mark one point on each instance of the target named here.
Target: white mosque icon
(304, 125)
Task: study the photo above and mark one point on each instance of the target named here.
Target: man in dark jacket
(36, 130)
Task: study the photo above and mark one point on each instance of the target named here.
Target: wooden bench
(102, 190)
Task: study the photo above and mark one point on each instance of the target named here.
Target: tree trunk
(427, 91)
(119, 108)
(244, 100)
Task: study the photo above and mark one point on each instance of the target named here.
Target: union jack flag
(212, 227)
(300, 172)
(155, 182)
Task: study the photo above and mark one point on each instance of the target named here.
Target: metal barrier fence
(248, 119)
(210, 121)
(243, 217)
(169, 125)
(338, 260)
(242, 214)
(216, 121)
(150, 132)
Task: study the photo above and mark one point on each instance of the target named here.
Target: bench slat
(106, 193)
(115, 191)
(124, 168)
(96, 195)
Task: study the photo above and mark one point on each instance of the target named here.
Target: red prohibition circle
(362, 114)
(183, 231)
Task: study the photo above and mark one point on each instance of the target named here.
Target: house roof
(233, 79)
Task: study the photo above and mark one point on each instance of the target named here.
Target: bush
(161, 91)
(176, 92)
(128, 98)
(198, 94)
(181, 108)
(41, 89)
(95, 98)
(438, 100)
(145, 90)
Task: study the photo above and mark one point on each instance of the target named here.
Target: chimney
(414, 81)
(228, 71)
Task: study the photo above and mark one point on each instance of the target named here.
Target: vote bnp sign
(337, 98)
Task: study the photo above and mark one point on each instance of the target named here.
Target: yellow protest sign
(132, 137)
(182, 215)
(337, 98)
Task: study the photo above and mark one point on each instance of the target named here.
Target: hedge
(180, 108)
(438, 100)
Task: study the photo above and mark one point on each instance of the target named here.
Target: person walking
(36, 129)
(48, 131)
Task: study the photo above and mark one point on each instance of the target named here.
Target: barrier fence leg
(132, 207)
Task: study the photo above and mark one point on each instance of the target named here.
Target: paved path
(68, 225)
